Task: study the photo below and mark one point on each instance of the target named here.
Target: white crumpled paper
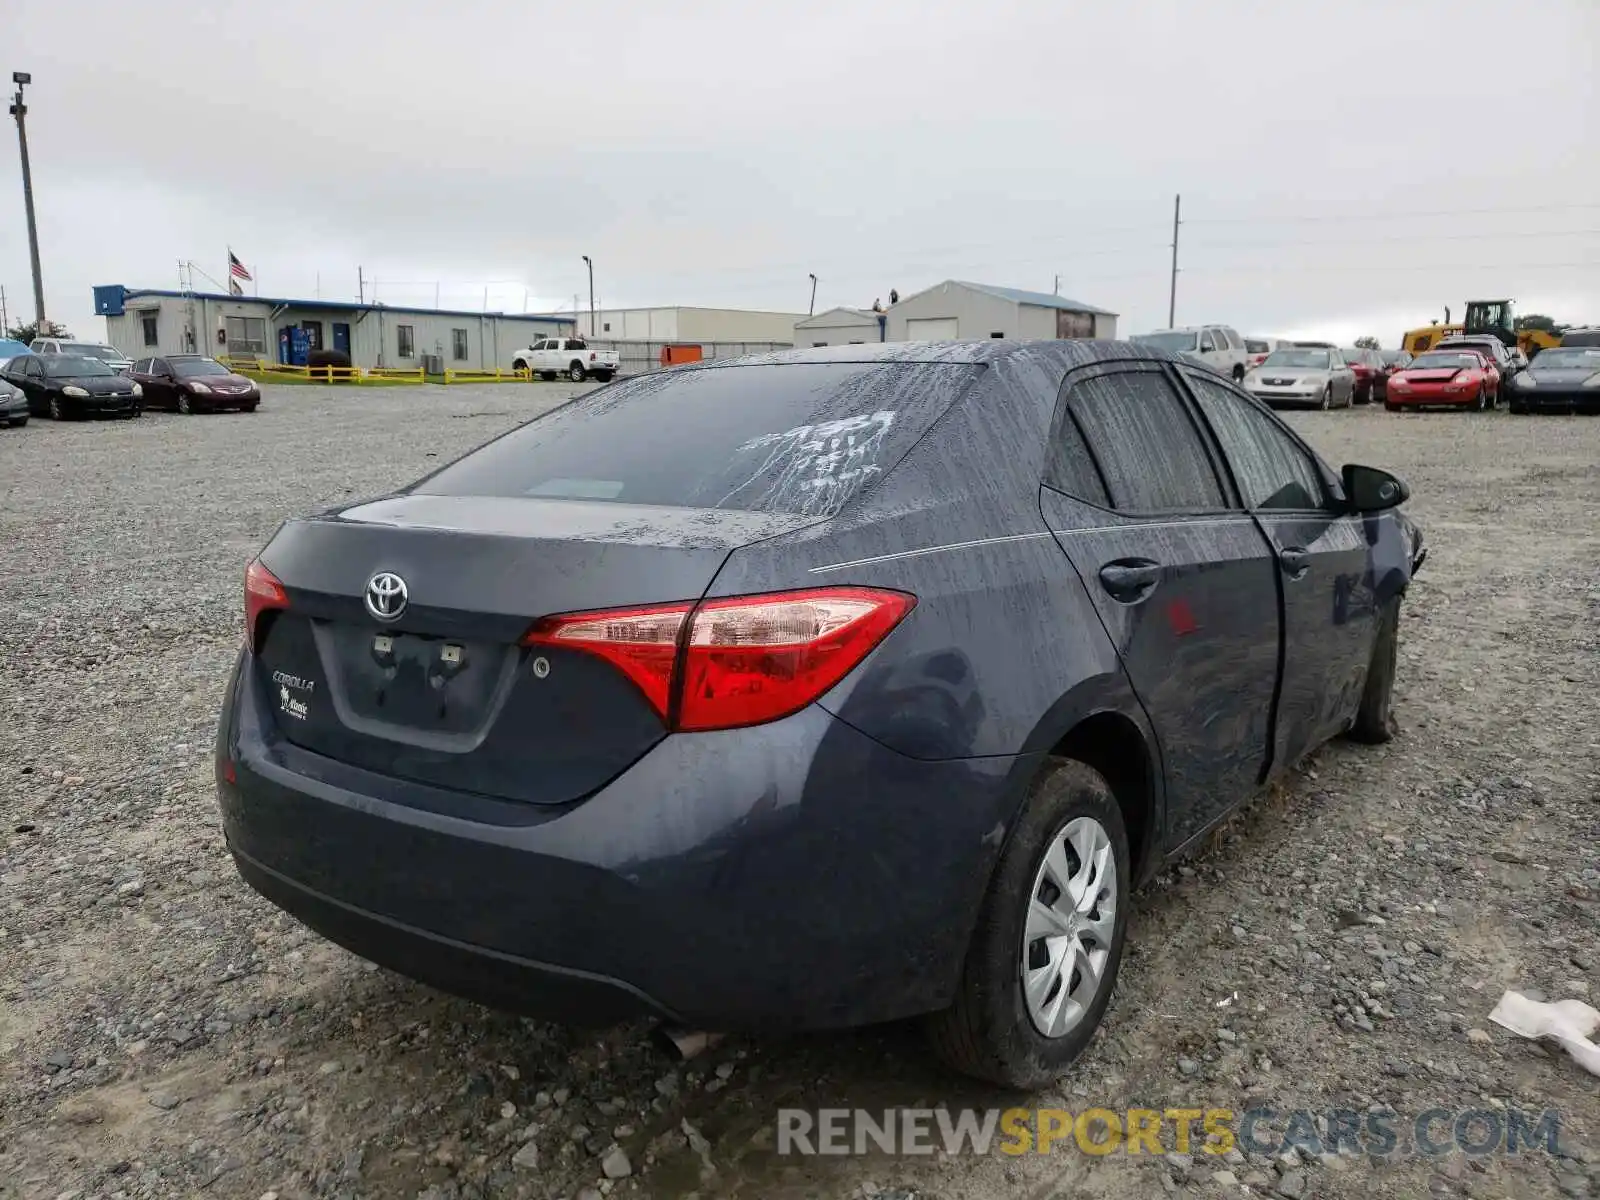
(1567, 1022)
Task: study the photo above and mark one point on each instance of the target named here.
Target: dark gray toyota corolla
(808, 690)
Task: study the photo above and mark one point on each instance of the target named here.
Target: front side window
(1272, 471)
(405, 341)
(1150, 453)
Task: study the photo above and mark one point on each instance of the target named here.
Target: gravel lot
(163, 1032)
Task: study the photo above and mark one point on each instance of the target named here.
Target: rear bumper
(795, 875)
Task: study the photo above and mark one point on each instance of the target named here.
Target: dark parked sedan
(13, 403)
(191, 383)
(1565, 378)
(62, 386)
(808, 690)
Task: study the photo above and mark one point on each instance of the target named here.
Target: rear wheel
(604, 376)
(1043, 959)
(1482, 404)
(576, 373)
(547, 375)
(18, 422)
(1238, 373)
(1375, 721)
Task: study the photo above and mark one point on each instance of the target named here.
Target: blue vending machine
(294, 344)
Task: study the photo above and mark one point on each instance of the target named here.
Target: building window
(148, 322)
(608, 327)
(246, 335)
(998, 334)
(406, 343)
(818, 345)
(458, 344)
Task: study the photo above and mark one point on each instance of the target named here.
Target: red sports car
(1456, 378)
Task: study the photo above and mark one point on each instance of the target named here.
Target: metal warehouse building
(955, 310)
(145, 322)
(839, 327)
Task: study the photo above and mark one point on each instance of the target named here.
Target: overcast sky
(1346, 168)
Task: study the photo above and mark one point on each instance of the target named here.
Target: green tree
(26, 333)
(1367, 343)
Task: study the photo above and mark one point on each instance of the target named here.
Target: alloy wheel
(55, 409)
(1066, 938)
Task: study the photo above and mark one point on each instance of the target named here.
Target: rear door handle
(1296, 561)
(1130, 579)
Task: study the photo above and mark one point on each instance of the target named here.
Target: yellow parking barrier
(454, 375)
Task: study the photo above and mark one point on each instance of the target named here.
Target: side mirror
(1371, 490)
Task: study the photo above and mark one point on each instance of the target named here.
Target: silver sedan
(1303, 378)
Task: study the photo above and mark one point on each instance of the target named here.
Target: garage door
(931, 329)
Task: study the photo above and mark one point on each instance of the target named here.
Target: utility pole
(590, 263)
(5, 320)
(1172, 296)
(19, 110)
(361, 285)
(1058, 285)
(812, 311)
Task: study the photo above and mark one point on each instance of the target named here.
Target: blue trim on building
(110, 300)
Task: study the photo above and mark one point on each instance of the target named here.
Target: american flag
(236, 269)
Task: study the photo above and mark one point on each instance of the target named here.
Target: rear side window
(802, 438)
(1148, 449)
(1272, 471)
(1069, 467)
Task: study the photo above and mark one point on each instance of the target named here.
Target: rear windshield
(802, 438)
(1255, 346)
(1176, 341)
(90, 350)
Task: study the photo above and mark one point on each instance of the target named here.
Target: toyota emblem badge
(386, 596)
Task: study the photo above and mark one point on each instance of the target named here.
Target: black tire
(1238, 373)
(1375, 723)
(987, 1032)
(185, 406)
(1361, 395)
(1482, 404)
(1516, 407)
(547, 376)
(1390, 406)
(249, 408)
(18, 422)
(57, 412)
(519, 365)
(605, 376)
(1327, 398)
(576, 373)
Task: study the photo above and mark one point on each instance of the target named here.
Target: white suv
(110, 355)
(1216, 346)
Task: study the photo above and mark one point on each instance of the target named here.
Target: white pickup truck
(567, 356)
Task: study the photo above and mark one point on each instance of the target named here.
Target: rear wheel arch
(1124, 754)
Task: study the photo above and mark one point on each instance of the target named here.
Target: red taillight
(743, 660)
(592, 356)
(262, 593)
(642, 643)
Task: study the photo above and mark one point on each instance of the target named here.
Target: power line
(1388, 216)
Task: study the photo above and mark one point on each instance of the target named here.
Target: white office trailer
(683, 323)
(839, 327)
(145, 322)
(959, 311)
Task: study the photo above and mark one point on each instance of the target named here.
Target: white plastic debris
(1569, 1023)
(1226, 1000)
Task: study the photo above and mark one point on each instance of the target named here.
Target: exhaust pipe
(685, 1044)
